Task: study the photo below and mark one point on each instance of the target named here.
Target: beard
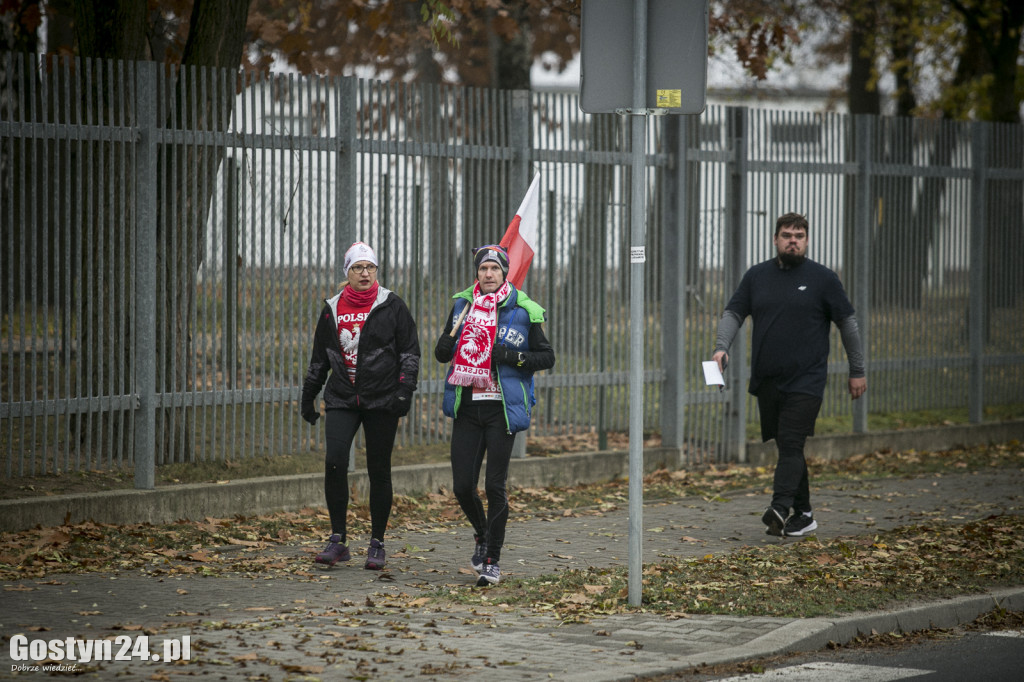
(791, 260)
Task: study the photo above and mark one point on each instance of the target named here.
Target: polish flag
(522, 237)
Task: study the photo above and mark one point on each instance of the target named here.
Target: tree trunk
(928, 205)
(17, 80)
(1005, 240)
(904, 53)
(1005, 53)
(489, 203)
(107, 31)
(111, 29)
(510, 60)
(425, 117)
(587, 270)
(203, 101)
(899, 257)
(862, 96)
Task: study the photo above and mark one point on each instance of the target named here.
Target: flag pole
(462, 316)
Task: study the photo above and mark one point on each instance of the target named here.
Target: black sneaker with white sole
(774, 521)
(800, 524)
(490, 574)
(479, 554)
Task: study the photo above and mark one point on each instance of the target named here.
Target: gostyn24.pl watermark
(55, 654)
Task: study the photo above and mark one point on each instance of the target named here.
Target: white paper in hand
(712, 375)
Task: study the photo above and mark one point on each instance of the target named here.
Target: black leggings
(480, 427)
(379, 427)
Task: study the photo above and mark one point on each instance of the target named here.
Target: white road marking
(833, 672)
(1006, 633)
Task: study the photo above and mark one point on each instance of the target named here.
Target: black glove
(504, 355)
(401, 403)
(309, 412)
(445, 346)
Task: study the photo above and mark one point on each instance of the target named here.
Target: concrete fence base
(279, 493)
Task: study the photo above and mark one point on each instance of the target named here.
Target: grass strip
(800, 580)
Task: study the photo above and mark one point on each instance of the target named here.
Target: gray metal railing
(169, 235)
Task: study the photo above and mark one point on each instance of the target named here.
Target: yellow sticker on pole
(670, 98)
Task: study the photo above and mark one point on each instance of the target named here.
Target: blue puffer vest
(515, 315)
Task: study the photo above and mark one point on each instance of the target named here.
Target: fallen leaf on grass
(312, 669)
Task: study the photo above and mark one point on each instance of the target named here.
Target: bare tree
(118, 29)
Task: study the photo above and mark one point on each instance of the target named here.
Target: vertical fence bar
(675, 275)
(863, 145)
(231, 222)
(520, 181)
(347, 174)
(735, 263)
(346, 177)
(145, 277)
(976, 311)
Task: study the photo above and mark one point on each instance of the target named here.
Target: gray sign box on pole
(677, 56)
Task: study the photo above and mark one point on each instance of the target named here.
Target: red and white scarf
(471, 365)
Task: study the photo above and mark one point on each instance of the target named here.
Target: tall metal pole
(977, 314)
(145, 278)
(637, 256)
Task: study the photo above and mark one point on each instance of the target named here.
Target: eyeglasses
(360, 269)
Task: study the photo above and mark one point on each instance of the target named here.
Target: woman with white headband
(366, 350)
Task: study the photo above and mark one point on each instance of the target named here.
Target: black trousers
(480, 427)
(379, 428)
(789, 419)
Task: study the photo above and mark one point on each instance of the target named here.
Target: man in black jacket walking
(792, 301)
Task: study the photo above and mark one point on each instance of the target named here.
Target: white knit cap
(357, 252)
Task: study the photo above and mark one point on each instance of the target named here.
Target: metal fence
(169, 236)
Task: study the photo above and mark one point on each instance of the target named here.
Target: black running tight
(479, 428)
(379, 427)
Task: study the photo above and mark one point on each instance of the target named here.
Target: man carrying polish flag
(522, 237)
(494, 339)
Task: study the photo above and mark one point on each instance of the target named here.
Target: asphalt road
(958, 656)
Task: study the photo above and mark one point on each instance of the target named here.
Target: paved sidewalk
(350, 623)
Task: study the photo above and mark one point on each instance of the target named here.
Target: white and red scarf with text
(471, 365)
